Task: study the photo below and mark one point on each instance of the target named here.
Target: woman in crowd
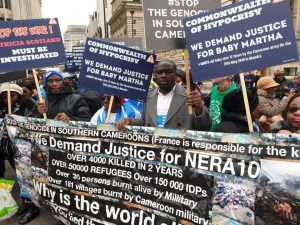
(28, 90)
(20, 105)
(291, 115)
(270, 107)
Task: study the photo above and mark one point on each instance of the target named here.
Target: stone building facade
(74, 35)
(121, 22)
(21, 9)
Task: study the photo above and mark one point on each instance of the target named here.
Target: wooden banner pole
(8, 100)
(187, 75)
(38, 90)
(109, 109)
(246, 103)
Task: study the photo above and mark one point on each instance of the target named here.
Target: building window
(134, 21)
(134, 32)
(7, 4)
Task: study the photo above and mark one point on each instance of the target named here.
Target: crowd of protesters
(274, 104)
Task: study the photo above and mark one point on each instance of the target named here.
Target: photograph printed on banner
(293, 139)
(39, 159)
(220, 219)
(204, 136)
(23, 151)
(278, 193)
(233, 199)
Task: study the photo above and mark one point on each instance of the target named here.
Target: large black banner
(157, 176)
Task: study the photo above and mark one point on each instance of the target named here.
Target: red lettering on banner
(11, 43)
(37, 30)
(20, 31)
(5, 32)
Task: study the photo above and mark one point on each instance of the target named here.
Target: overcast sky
(69, 12)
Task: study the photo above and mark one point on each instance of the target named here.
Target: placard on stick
(27, 44)
(134, 42)
(78, 56)
(240, 37)
(116, 70)
(163, 21)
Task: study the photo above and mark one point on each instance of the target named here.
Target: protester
(234, 118)
(297, 83)
(93, 100)
(167, 104)
(256, 78)
(70, 79)
(29, 90)
(29, 80)
(270, 107)
(249, 80)
(222, 86)
(20, 105)
(61, 103)
(284, 87)
(291, 115)
(120, 109)
(180, 77)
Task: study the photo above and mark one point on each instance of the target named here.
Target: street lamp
(131, 12)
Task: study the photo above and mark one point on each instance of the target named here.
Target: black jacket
(280, 125)
(233, 123)
(23, 107)
(281, 89)
(66, 102)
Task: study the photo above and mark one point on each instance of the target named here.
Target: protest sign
(157, 176)
(163, 20)
(70, 64)
(10, 76)
(27, 44)
(133, 42)
(240, 37)
(78, 55)
(116, 70)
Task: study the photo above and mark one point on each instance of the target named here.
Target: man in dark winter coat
(61, 103)
(285, 85)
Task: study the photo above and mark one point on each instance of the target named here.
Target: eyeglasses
(293, 109)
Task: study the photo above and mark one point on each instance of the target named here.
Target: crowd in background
(274, 103)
